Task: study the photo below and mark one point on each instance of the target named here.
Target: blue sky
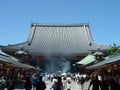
(103, 17)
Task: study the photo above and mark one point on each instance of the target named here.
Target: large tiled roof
(59, 39)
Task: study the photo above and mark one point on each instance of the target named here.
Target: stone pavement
(74, 85)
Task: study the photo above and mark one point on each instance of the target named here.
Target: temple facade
(55, 47)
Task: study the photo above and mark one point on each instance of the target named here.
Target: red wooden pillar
(38, 62)
(113, 72)
(4, 69)
(26, 60)
(95, 72)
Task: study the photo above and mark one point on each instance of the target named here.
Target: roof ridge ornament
(60, 24)
(21, 51)
(99, 55)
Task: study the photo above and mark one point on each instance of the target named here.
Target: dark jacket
(28, 84)
(96, 84)
(40, 85)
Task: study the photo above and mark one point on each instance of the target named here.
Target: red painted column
(113, 71)
(26, 60)
(4, 69)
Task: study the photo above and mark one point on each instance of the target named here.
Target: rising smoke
(66, 66)
(56, 64)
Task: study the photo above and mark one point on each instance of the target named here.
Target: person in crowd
(11, 83)
(2, 83)
(114, 85)
(27, 84)
(51, 77)
(57, 84)
(96, 84)
(118, 79)
(104, 83)
(34, 80)
(64, 82)
(68, 85)
(54, 83)
(82, 80)
(40, 85)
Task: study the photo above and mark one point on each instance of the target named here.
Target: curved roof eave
(102, 47)
(13, 47)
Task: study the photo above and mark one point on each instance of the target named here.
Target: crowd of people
(105, 82)
(37, 81)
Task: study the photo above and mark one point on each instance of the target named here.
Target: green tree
(113, 50)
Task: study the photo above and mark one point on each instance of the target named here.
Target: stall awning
(88, 59)
(13, 62)
(110, 60)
